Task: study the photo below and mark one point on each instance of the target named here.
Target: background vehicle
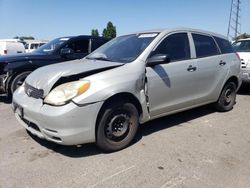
(242, 47)
(11, 46)
(32, 45)
(130, 80)
(14, 69)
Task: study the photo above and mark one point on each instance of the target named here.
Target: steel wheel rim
(228, 96)
(118, 126)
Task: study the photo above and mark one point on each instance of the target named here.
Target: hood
(45, 77)
(21, 57)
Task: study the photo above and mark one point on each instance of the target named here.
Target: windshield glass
(123, 49)
(242, 46)
(51, 46)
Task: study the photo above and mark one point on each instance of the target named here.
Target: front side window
(242, 46)
(79, 46)
(176, 46)
(204, 45)
(124, 49)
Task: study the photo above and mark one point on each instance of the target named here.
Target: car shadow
(172, 120)
(4, 99)
(146, 129)
(244, 89)
(84, 150)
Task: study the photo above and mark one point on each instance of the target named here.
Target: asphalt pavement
(195, 148)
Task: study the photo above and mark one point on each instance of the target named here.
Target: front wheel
(18, 81)
(117, 126)
(227, 98)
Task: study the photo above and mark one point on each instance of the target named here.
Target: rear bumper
(67, 125)
(245, 75)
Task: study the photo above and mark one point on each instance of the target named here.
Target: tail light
(5, 51)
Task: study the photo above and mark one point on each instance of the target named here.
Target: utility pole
(234, 25)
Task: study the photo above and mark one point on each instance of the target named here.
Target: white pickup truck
(242, 47)
(32, 45)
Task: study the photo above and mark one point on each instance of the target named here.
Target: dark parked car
(15, 68)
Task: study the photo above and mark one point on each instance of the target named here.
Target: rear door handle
(191, 68)
(222, 63)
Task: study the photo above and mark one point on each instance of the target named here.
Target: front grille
(33, 92)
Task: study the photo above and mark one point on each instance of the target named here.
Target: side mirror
(66, 51)
(158, 59)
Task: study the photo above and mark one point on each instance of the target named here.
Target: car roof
(169, 30)
(242, 39)
(80, 36)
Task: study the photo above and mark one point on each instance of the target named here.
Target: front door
(172, 86)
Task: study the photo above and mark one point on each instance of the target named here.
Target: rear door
(172, 86)
(212, 68)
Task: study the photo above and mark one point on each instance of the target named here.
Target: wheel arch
(12, 77)
(123, 96)
(233, 79)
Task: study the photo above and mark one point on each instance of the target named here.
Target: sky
(48, 19)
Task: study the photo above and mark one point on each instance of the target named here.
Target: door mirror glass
(66, 51)
(158, 59)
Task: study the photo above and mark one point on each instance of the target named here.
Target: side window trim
(167, 35)
(90, 45)
(217, 45)
(192, 46)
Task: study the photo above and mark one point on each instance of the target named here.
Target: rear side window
(225, 45)
(204, 45)
(176, 46)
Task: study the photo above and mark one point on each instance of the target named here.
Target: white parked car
(11, 46)
(242, 47)
(32, 45)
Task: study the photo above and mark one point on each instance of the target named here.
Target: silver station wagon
(128, 81)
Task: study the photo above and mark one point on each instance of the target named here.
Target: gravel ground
(196, 148)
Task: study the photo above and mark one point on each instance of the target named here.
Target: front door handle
(222, 63)
(191, 68)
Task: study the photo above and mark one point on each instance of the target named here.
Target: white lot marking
(113, 175)
(174, 181)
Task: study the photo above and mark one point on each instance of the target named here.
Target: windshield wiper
(99, 58)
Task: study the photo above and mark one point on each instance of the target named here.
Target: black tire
(227, 98)
(18, 81)
(117, 126)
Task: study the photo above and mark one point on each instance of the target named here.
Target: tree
(242, 36)
(110, 31)
(24, 38)
(95, 32)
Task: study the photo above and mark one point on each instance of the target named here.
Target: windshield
(51, 46)
(123, 49)
(242, 46)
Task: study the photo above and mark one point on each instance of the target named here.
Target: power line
(234, 25)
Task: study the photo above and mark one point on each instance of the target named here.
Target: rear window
(225, 45)
(204, 45)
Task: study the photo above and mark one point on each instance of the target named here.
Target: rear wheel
(227, 98)
(18, 81)
(117, 126)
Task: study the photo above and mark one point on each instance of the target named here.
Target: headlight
(65, 92)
